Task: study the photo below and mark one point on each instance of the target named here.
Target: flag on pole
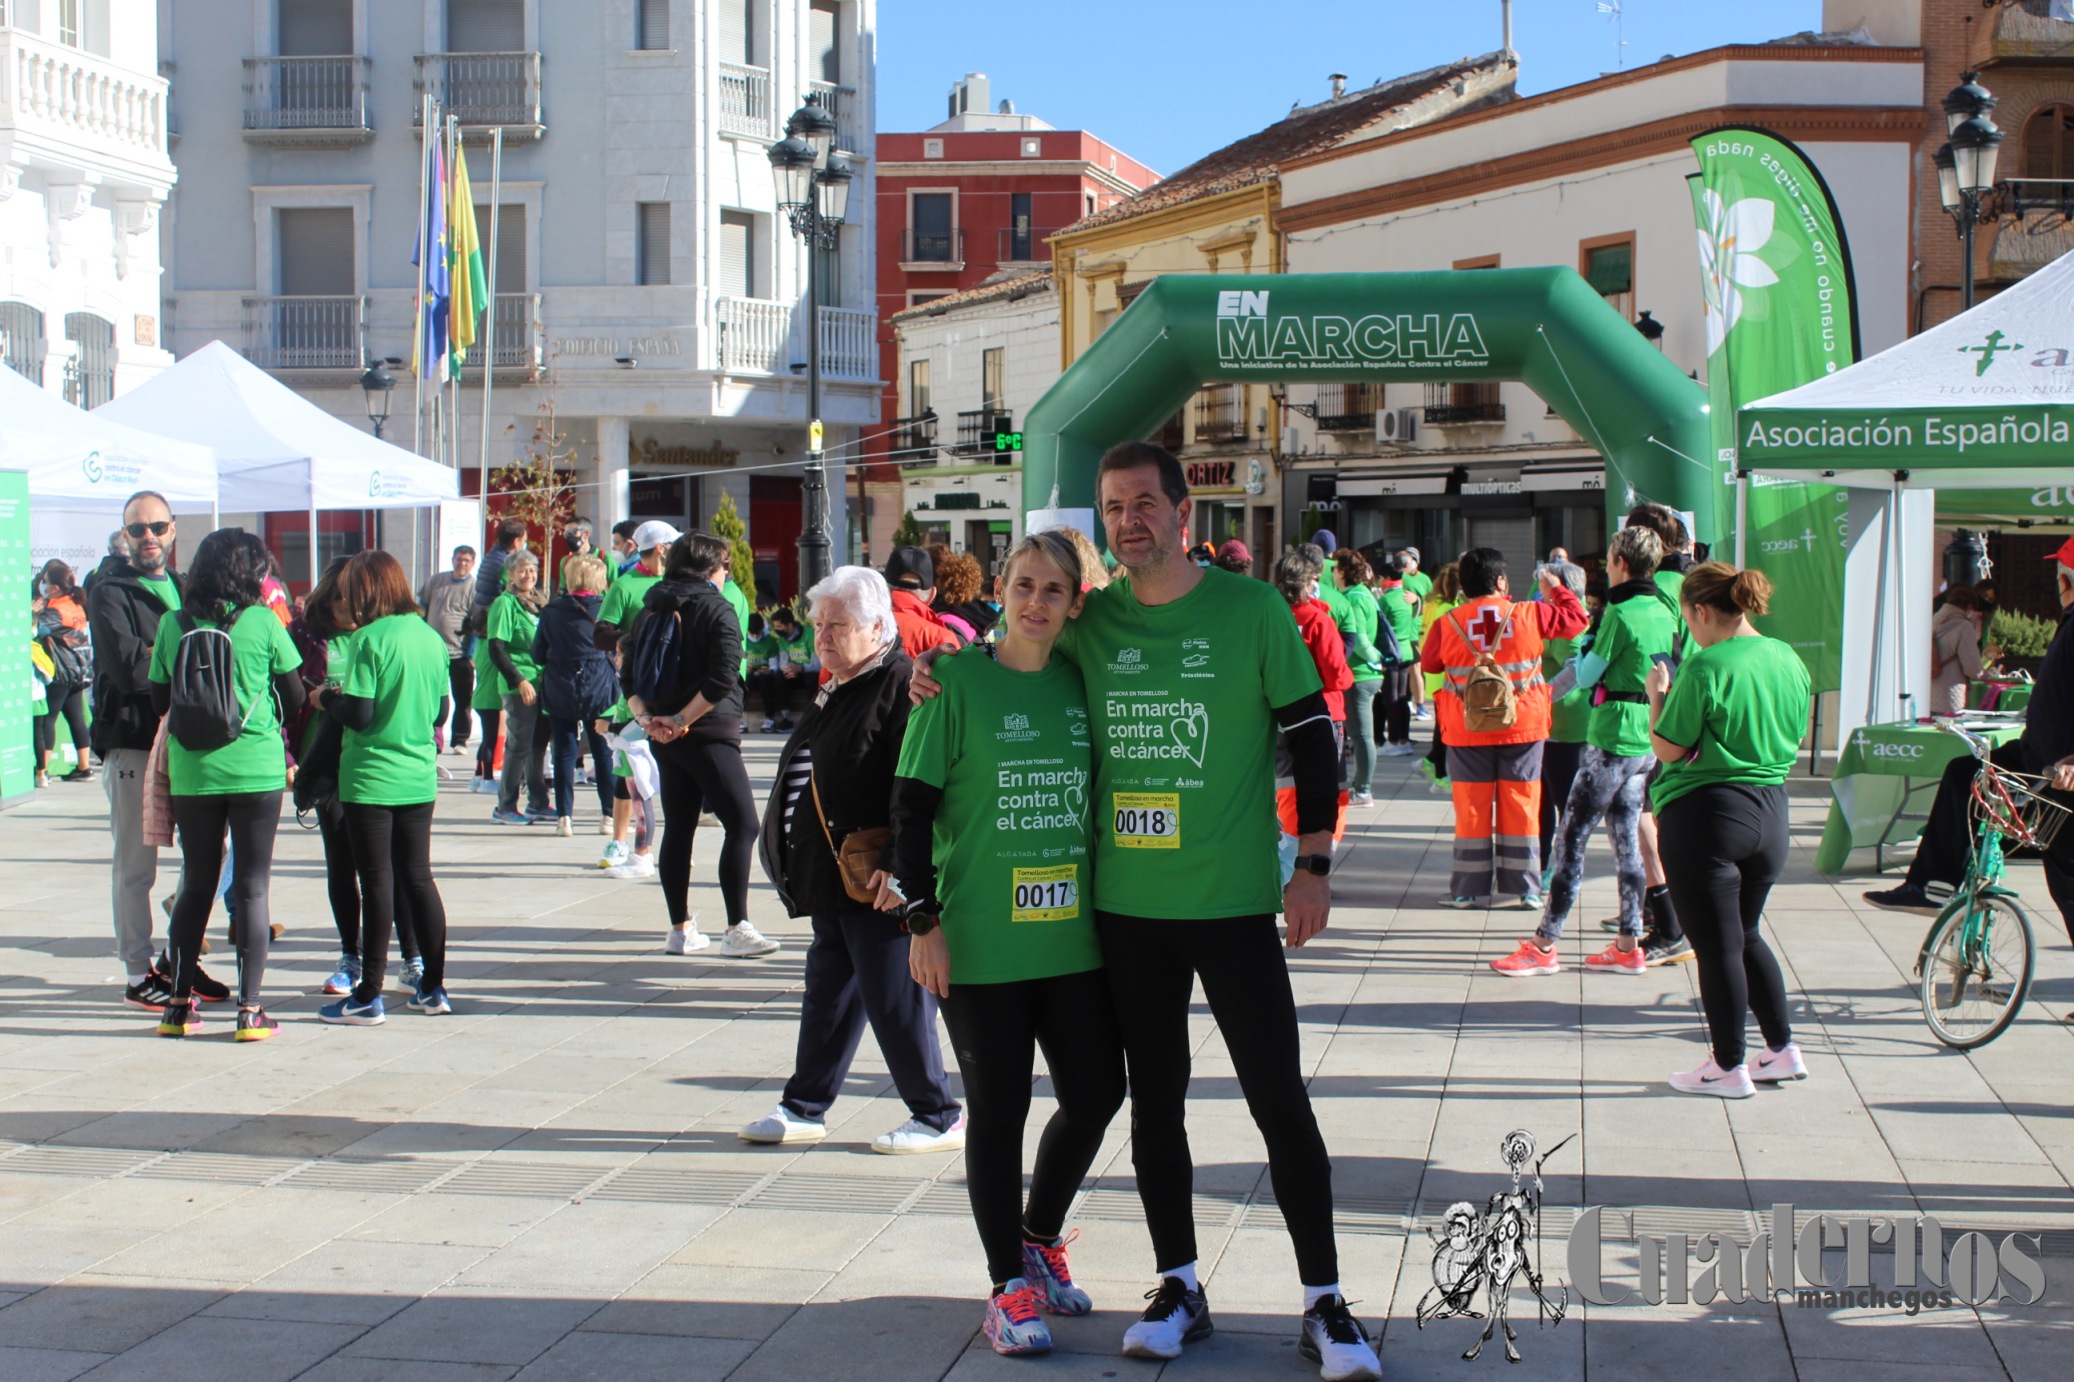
(429, 352)
(464, 264)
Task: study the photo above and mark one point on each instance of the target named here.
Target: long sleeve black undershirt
(915, 804)
(500, 654)
(288, 688)
(357, 712)
(1314, 757)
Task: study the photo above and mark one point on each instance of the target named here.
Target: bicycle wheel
(1975, 976)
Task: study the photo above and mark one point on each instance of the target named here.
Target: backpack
(69, 656)
(653, 655)
(204, 713)
(1488, 701)
(1387, 645)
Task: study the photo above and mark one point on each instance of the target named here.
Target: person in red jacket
(912, 576)
(1496, 769)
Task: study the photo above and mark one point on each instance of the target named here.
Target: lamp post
(1966, 167)
(814, 192)
(378, 384)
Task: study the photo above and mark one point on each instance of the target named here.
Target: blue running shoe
(351, 1014)
(347, 976)
(1014, 1324)
(1044, 1266)
(413, 975)
(504, 817)
(431, 1002)
(541, 813)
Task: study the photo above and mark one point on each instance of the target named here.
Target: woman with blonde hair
(576, 684)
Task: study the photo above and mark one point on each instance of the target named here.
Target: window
(917, 387)
(313, 28)
(1019, 236)
(1033, 148)
(21, 340)
(929, 234)
(932, 148)
(1090, 203)
(511, 246)
(916, 297)
(1608, 264)
(824, 59)
(654, 23)
(993, 376)
(2049, 143)
(737, 254)
(485, 26)
(313, 251)
(90, 374)
(738, 32)
(652, 244)
(68, 22)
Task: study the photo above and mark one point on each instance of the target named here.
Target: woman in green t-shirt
(232, 789)
(1727, 732)
(509, 626)
(990, 839)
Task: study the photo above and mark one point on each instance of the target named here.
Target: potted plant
(2022, 639)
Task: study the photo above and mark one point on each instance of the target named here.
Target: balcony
(1344, 407)
(485, 91)
(932, 249)
(2033, 220)
(976, 430)
(760, 337)
(307, 103)
(841, 102)
(1462, 405)
(1014, 246)
(291, 333)
(1220, 413)
(913, 438)
(745, 100)
(52, 94)
(1173, 433)
(2020, 32)
(518, 343)
(849, 344)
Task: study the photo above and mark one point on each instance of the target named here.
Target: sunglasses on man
(139, 529)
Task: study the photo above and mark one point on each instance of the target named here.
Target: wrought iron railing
(517, 318)
(913, 438)
(1451, 405)
(299, 93)
(1345, 407)
(483, 89)
(1022, 246)
(932, 246)
(305, 332)
(1220, 413)
(976, 428)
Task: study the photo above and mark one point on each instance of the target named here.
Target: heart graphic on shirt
(1192, 733)
(1076, 801)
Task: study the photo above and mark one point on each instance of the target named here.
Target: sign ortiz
(1251, 337)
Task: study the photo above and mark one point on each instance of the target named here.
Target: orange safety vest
(1511, 634)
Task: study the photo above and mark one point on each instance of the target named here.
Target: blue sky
(1167, 81)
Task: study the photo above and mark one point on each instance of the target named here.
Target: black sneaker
(1335, 1340)
(1906, 898)
(78, 775)
(180, 1019)
(1177, 1316)
(1658, 951)
(206, 990)
(152, 993)
(255, 1025)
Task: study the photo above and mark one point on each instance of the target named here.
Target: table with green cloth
(1885, 780)
(1995, 694)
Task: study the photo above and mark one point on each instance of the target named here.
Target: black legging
(486, 750)
(1558, 771)
(995, 1029)
(1723, 847)
(703, 771)
(774, 688)
(566, 734)
(1153, 966)
(67, 699)
(392, 850)
(1394, 712)
(342, 882)
(250, 819)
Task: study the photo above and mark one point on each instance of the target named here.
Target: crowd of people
(1044, 812)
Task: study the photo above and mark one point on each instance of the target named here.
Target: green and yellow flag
(471, 293)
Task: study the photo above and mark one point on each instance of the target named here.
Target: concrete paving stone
(249, 1350)
(46, 1364)
(710, 1302)
(102, 1314)
(979, 1363)
(40, 1255)
(588, 1357)
(344, 1369)
(475, 1327)
(481, 1221)
(223, 1246)
(352, 1267)
(603, 1245)
(753, 1237)
(891, 1337)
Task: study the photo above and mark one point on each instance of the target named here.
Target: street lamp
(1966, 167)
(1652, 330)
(814, 193)
(378, 383)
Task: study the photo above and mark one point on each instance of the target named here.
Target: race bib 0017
(1047, 894)
(1147, 820)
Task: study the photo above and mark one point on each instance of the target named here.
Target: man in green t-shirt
(1190, 672)
(1415, 580)
(622, 601)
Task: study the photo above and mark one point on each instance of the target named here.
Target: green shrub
(2019, 635)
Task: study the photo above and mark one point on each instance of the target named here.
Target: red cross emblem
(1485, 628)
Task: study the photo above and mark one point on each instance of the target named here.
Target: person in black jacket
(576, 683)
(129, 596)
(835, 777)
(695, 732)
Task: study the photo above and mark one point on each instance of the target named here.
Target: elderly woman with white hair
(832, 799)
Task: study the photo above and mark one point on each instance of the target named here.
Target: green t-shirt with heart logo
(1010, 751)
(1182, 697)
(254, 761)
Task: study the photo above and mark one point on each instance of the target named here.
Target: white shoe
(1400, 750)
(782, 1125)
(768, 726)
(1712, 1079)
(1772, 1067)
(1177, 1316)
(685, 939)
(743, 941)
(604, 825)
(1357, 799)
(915, 1136)
(636, 866)
(565, 827)
(614, 855)
(1334, 1340)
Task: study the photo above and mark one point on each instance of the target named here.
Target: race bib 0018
(1047, 894)
(1147, 820)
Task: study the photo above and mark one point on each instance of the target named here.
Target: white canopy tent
(86, 462)
(276, 450)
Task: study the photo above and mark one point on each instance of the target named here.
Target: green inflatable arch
(1544, 327)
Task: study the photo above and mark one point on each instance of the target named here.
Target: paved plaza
(547, 1184)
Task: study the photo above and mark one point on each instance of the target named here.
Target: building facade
(970, 199)
(649, 298)
(84, 172)
(986, 352)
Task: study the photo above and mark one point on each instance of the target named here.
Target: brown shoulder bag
(861, 854)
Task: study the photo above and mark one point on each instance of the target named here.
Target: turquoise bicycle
(1975, 967)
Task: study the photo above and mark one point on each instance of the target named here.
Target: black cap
(910, 568)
